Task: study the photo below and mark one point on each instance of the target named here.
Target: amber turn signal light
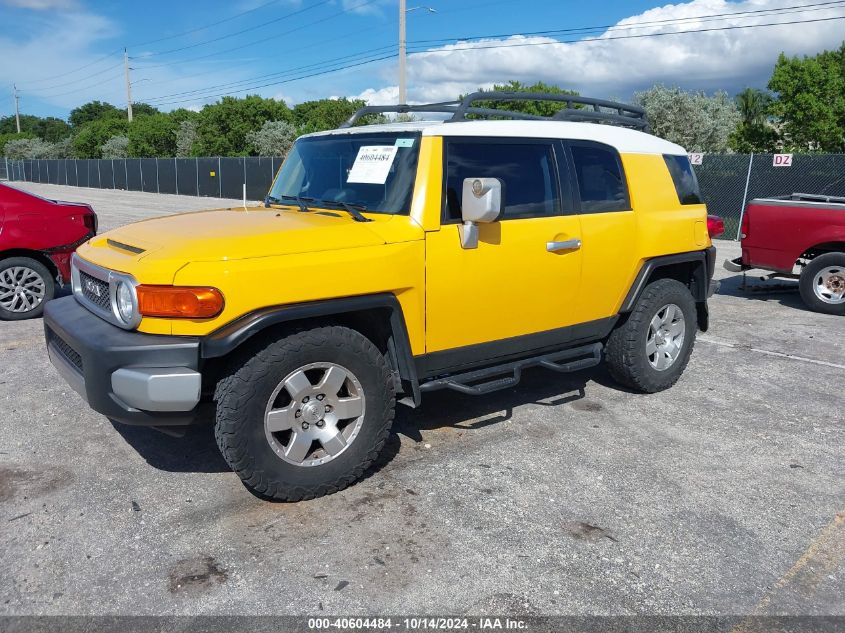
(179, 302)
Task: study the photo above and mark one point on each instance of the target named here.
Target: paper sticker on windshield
(372, 165)
(404, 142)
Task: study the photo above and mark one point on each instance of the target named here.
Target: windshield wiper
(299, 200)
(352, 209)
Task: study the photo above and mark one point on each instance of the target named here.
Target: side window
(527, 172)
(686, 184)
(601, 181)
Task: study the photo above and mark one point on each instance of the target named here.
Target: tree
(93, 111)
(186, 137)
(324, 114)
(6, 137)
(275, 138)
(115, 147)
(223, 126)
(538, 108)
(754, 132)
(753, 105)
(694, 120)
(143, 109)
(49, 128)
(152, 135)
(91, 136)
(28, 148)
(811, 100)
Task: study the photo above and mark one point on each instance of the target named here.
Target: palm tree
(753, 105)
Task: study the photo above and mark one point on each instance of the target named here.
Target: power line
(820, 6)
(70, 72)
(165, 99)
(161, 39)
(254, 42)
(76, 81)
(80, 89)
(202, 28)
(278, 83)
(281, 73)
(241, 32)
(620, 37)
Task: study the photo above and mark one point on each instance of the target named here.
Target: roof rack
(597, 110)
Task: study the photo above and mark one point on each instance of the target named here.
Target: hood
(227, 234)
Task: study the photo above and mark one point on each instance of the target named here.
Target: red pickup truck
(801, 236)
(37, 238)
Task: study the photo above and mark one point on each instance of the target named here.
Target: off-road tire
(244, 393)
(807, 280)
(46, 278)
(625, 352)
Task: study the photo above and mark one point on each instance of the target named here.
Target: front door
(523, 278)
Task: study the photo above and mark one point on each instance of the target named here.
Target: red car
(802, 237)
(37, 238)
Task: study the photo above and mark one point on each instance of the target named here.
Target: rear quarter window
(601, 180)
(686, 184)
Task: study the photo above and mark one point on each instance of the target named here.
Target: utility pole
(17, 108)
(128, 85)
(402, 51)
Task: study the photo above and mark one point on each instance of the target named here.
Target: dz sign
(782, 160)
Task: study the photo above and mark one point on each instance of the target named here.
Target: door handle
(567, 245)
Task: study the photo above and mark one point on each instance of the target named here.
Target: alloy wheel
(314, 414)
(21, 289)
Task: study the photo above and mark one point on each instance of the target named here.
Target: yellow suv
(391, 260)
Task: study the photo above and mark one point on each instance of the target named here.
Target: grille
(70, 354)
(95, 290)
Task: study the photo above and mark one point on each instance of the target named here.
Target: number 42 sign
(782, 160)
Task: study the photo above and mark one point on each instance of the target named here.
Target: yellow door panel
(509, 286)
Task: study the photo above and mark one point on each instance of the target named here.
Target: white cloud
(66, 65)
(606, 67)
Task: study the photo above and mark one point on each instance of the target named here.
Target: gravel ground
(566, 495)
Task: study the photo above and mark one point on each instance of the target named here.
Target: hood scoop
(125, 247)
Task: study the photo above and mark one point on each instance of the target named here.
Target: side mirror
(481, 201)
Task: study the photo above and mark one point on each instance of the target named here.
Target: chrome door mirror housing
(481, 202)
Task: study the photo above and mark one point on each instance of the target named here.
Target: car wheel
(25, 286)
(306, 415)
(649, 351)
(822, 283)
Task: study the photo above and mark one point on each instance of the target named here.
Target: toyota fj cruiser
(388, 261)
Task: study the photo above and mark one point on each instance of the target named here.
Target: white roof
(625, 140)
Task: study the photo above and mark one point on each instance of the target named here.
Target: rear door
(517, 290)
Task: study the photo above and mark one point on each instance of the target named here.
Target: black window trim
(566, 199)
(576, 189)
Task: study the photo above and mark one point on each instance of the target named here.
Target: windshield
(374, 172)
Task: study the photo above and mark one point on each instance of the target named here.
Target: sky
(186, 53)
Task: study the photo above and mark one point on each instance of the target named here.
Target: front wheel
(25, 286)
(306, 415)
(650, 350)
(822, 283)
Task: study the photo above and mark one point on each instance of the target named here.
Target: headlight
(125, 299)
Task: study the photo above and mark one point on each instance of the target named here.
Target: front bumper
(129, 377)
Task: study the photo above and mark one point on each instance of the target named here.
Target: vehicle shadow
(197, 450)
(784, 291)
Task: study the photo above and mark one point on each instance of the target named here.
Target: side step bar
(564, 361)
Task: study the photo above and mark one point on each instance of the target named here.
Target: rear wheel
(650, 350)
(822, 283)
(25, 286)
(306, 415)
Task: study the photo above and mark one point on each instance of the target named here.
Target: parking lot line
(767, 352)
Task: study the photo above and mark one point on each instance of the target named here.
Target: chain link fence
(727, 181)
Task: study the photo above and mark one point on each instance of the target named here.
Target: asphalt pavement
(565, 495)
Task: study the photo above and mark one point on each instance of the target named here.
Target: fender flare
(227, 338)
(705, 265)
